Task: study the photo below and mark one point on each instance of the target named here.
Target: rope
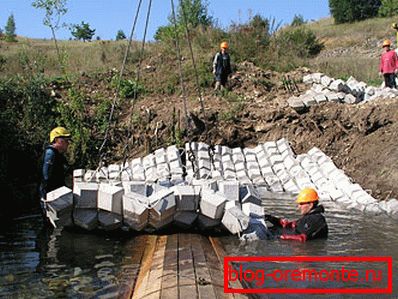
(178, 52)
(101, 155)
(202, 107)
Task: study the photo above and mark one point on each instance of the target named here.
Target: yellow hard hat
(386, 43)
(224, 45)
(58, 132)
(394, 26)
(307, 195)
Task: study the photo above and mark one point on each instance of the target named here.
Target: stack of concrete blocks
(175, 165)
(110, 213)
(253, 168)
(326, 89)
(59, 207)
(212, 206)
(204, 161)
(287, 170)
(217, 170)
(191, 154)
(85, 197)
(268, 161)
(78, 175)
(102, 175)
(187, 201)
(137, 169)
(114, 171)
(228, 166)
(149, 163)
(240, 165)
(126, 173)
(135, 212)
(162, 166)
(390, 207)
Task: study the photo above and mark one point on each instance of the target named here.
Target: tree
(348, 11)
(54, 10)
(298, 20)
(9, 29)
(83, 31)
(388, 8)
(120, 35)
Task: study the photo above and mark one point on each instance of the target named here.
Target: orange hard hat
(224, 45)
(307, 195)
(386, 43)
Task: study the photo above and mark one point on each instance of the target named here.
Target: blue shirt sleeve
(48, 163)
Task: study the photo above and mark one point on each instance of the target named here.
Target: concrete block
(114, 171)
(212, 204)
(252, 210)
(110, 198)
(172, 153)
(229, 174)
(291, 186)
(349, 99)
(249, 194)
(187, 199)
(274, 183)
(390, 206)
(308, 100)
(225, 151)
(332, 97)
(162, 208)
(289, 163)
(203, 154)
(138, 172)
(267, 171)
(90, 176)
(185, 219)
(60, 199)
(86, 218)
(254, 173)
(275, 158)
(230, 189)
(235, 221)
(102, 174)
(108, 220)
(135, 187)
(338, 85)
(307, 79)
(318, 88)
(316, 77)
(134, 211)
(373, 209)
(238, 157)
(232, 204)
(239, 166)
(270, 148)
(78, 175)
(283, 145)
(320, 98)
(149, 161)
(326, 81)
(206, 223)
(296, 103)
(277, 168)
(203, 146)
(85, 195)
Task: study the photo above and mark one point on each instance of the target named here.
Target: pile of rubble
(326, 89)
(216, 187)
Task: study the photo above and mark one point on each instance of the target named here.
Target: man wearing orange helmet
(388, 64)
(311, 225)
(222, 66)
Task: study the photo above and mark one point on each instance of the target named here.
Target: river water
(38, 262)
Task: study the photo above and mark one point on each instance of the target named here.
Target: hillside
(361, 139)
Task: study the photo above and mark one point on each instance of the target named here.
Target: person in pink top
(389, 64)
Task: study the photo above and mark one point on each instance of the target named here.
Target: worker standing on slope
(222, 66)
(388, 64)
(311, 225)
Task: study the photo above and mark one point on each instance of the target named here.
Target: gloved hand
(301, 237)
(286, 223)
(214, 72)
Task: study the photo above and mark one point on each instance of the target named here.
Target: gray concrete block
(296, 103)
(135, 212)
(160, 156)
(235, 221)
(249, 194)
(332, 97)
(102, 174)
(270, 148)
(110, 198)
(85, 195)
(338, 85)
(226, 151)
(320, 98)
(212, 204)
(229, 174)
(135, 187)
(86, 218)
(186, 197)
(109, 221)
(206, 223)
(230, 189)
(349, 99)
(90, 176)
(390, 206)
(114, 171)
(252, 210)
(185, 219)
(274, 183)
(162, 208)
(275, 158)
(60, 199)
(326, 81)
(149, 162)
(308, 100)
(172, 153)
(267, 171)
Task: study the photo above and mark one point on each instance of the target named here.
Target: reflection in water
(40, 262)
(351, 233)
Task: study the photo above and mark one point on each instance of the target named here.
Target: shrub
(128, 88)
(348, 11)
(388, 8)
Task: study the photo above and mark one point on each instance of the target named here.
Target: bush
(348, 11)
(128, 88)
(388, 8)
(300, 41)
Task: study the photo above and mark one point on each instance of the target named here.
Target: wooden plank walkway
(186, 266)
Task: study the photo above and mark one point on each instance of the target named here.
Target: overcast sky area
(107, 16)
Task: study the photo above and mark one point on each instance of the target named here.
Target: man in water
(53, 164)
(311, 225)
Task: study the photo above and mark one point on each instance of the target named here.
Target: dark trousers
(389, 80)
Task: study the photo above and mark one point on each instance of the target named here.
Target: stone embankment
(325, 89)
(203, 186)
